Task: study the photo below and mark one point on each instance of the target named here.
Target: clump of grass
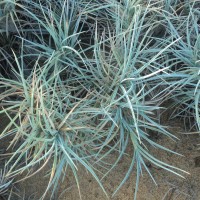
(47, 123)
(123, 72)
(186, 65)
(49, 119)
(71, 94)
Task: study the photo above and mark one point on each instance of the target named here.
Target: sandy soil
(169, 186)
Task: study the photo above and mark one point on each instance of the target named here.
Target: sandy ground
(169, 186)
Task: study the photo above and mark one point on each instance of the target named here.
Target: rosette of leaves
(48, 124)
(54, 30)
(51, 30)
(186, 65)
(126, 73)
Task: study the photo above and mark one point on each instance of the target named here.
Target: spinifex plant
(126, 65)
(47, 123)
(68, 100)
(187, 62)
(46, 28)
